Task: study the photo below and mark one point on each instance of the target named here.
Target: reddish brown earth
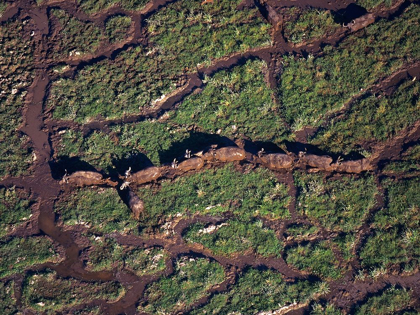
(45, 189)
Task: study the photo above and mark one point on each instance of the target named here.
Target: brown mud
(45, 189)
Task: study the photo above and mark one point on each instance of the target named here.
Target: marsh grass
(117, 27)
(190, 34)
(15, 208)
(327, 82)
(95, 6)
(371, 119)
(237, 237)
(99, 209)
(48, 293)
(233, 103)
(20, 253)
(259, 290)
(315, 258)
(215, 192)
(302, 25)
(76, 38)
(339, 205)
(16, 69)
(192, 278)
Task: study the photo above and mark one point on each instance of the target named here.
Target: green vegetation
(329, 309)
(256, 193)
(192, 280)
(18, 254)
(409, 164)
(345, 243)
(94, 6)
(189, 33)
(105, 253)
(161, 142)
(99, 209)
(305, 25)
(112, 88)
(46, 292)
(157, 140)
(396, 239)
(403, 205)
(258, 291)
(117, 27)
(3, 7)
(327, 82)
(146, 261)
(14, 209)
(371, 4)
(7, 300)
(339, 205)
(236, 237)
(16, 69)
(76, 37)
(315, 258)
(301, 230)
(402, 167)
(235, 102)
(391, 301)
(138, 78)
(372, 119)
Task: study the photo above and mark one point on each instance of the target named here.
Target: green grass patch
(345, 243)
(240, 98)
(94, 6)
(372, 119)
(14, 209)
(235, 102)
(105, 253)
(16, 69)
(408, 164)
(3, 7)
(213, 192)
(48, 293)
(161, 142)
(112, 88)
(7, 301)
(391, 301)
(403, 205)
(396, 238)
(315, 258)
(137, 78)
(328, 309)
(191, 281)
(99, 209)
(302, 25)
(76, 37)
(117, 27)
(19, 253)
(189, 33)
(258, 291)
(385, 248)
(327, 82)
(340, 204)
(237, 237)
(402, 167)
(299, 230)
(371, 4)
